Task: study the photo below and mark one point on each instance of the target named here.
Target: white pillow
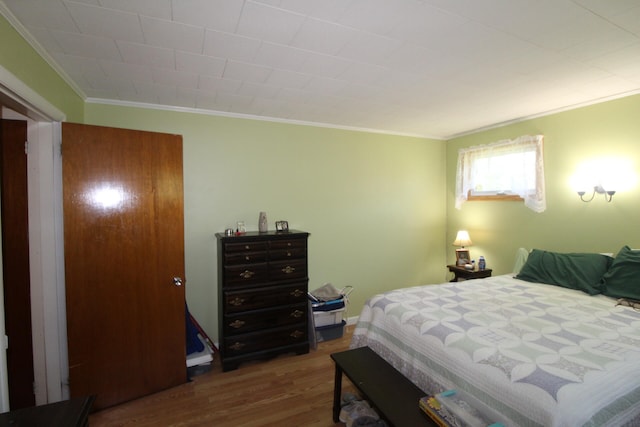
(521, 258)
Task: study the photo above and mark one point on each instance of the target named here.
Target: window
(504, 170)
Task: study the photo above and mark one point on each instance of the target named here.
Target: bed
(539, 354)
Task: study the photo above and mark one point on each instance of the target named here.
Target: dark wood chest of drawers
(262, 296)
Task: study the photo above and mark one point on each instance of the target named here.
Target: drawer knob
(296, 334)
(236, 346)
(296, 293)
(288, 269)
(247, 274)
(297, 313)
(237, 301)
(236, 324)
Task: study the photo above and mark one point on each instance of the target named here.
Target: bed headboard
(521, 258)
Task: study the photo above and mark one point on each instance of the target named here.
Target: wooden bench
(68, 413)
(392, 395)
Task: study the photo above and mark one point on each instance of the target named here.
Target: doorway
(15, 260)
(18, 101)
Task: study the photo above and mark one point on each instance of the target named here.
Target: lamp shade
(462, 239)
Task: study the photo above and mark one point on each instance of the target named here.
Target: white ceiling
(434, 68)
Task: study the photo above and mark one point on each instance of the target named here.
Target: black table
(394, 397)
(68, 413)
(461, 273)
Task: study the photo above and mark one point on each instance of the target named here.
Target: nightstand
(463, 274)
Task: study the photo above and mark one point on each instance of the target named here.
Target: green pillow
(623, 278)
(581, 271)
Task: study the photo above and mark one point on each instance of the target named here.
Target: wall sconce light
(462, 254)
(598, 189)
(603, 175)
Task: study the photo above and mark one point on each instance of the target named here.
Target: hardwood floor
(286, 391)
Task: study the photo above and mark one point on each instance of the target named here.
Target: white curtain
(516, 166)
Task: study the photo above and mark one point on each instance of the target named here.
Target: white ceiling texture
(432, 68)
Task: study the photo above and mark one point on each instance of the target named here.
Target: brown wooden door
(124, 244)
(15, 262)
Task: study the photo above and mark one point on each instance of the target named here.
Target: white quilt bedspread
(538, 354)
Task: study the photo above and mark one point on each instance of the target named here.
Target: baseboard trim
(352, 320)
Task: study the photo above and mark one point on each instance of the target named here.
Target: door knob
(178, 281)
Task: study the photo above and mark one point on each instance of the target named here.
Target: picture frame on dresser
(282, 226)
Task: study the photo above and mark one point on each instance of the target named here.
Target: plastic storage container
(325, 318)
(331, 332)
(327, 313)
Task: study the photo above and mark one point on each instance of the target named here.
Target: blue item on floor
(328, 305)
(194, 345)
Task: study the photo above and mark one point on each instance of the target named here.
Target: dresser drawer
(263, 340)
(284, 254)
(253, 299)
(245, 274)
(286, 270)
(235, 258)
(265, 319)
(249, 246)
(289, 244)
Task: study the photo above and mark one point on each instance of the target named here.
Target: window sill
(496, 197)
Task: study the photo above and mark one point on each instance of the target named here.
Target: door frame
(44, 174)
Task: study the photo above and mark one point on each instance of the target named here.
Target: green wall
(609, 129)
(21, 60)
(374, 204)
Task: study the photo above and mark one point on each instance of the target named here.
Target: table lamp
(462, 254)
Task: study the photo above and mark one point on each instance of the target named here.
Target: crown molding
(248, 117)
(545, 113)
